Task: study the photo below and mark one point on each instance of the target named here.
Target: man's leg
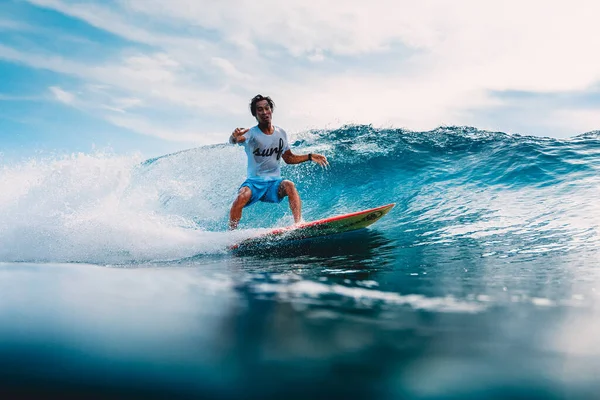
(235, 214)
(287, 188)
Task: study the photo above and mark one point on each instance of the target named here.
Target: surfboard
(323, 227)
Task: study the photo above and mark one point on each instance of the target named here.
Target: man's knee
(286, 187)
(243, 197)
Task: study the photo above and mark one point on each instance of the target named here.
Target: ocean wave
(451, 183)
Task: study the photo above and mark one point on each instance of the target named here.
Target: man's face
(263, 112)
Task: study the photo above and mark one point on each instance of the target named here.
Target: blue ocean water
(483, 282)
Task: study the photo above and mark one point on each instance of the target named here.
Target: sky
(155, 76)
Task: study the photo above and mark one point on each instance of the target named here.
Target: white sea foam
(102, 208)
(317, 292)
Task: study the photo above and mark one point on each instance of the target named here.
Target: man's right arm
(237, 136)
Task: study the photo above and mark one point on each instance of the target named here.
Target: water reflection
(356, 250)
(183, 332)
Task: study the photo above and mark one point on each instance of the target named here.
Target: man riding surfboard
(265, 145)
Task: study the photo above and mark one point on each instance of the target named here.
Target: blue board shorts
(263, 190)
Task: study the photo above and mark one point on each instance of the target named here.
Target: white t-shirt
(264, 152)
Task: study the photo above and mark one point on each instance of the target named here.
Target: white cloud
(100, 17)
(229, 69)
(126, 103)
(342, 27)
(9, 25)
(585, 120)
(437, 61)
(317, 56)
(153, 76)
(142, 126)
(62, 95)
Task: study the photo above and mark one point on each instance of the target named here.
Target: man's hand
(320, 159)
(237, 136)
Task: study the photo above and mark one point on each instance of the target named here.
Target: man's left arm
(291, 158)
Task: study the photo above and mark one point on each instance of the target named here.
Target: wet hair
(256, 99)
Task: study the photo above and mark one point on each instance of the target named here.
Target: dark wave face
(524, 194)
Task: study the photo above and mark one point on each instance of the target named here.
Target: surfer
(265, 144)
